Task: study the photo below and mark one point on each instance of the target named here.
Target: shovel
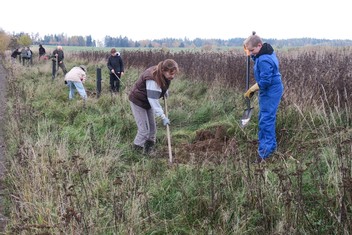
(247, 112)
(168, 134)
(117, 76)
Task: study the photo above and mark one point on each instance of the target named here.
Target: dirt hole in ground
(211, 145)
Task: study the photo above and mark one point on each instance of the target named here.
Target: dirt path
(3, 86)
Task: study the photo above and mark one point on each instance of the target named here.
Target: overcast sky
(157, 19)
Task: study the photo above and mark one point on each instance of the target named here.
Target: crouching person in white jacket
(74, 79)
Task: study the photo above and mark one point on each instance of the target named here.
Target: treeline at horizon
(124, 41)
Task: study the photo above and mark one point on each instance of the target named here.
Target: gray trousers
(146, 125)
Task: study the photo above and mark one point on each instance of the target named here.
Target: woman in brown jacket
(152, 85)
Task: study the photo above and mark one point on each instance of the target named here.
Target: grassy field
(71, 170)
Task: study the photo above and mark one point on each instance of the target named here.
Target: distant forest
(109, 41)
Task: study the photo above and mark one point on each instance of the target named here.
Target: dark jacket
(60, 54)
(15, 53)
(138, 94)
(116, 63)
(41, 50)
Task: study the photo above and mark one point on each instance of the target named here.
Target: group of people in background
(154, 83)
(77, 75)
(25, 55)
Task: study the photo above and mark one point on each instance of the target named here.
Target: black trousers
(54, 69)
(115, 82)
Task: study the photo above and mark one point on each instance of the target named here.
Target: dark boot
(137, 148)
(148, 146)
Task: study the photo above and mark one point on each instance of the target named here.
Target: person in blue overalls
(268, 82)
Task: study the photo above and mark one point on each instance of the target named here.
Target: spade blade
(246, 117)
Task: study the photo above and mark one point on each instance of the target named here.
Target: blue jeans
(79, 87)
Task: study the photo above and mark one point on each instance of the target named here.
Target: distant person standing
(15, 53)
(42, 51)
(24, 56)
(116, 69)
(58, 57)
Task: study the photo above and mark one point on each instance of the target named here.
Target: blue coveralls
(268, 77)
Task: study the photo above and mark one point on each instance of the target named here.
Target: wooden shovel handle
(168, 134)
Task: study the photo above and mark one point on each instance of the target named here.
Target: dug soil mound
(208, 146)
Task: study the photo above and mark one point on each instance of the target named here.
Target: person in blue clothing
(270, 87)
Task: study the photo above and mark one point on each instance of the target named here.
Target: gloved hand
(251, 91)
(166, 121)
(246, 50)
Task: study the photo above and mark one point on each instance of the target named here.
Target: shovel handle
(116, 76)
(168, 134)
(247, 71)
(248, 64)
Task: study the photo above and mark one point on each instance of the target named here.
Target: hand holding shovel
(117, 76)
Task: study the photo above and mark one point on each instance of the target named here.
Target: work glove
(246, 51)
(166, 121)
(251, 91)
